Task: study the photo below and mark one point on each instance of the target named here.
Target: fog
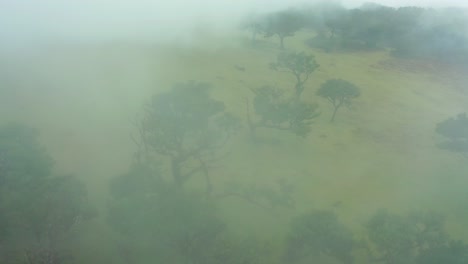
(198, 143)
(35, 22)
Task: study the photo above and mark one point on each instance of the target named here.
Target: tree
(338, 92)
(279, 112)
(186, 126)
(299, 64)
(256, 24)
(453, 252)
(403, 238)
(162, 223)
(283, 24)
(38, 210)
(455, 130)
(316, 233)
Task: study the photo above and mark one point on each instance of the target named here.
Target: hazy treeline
(410, 32)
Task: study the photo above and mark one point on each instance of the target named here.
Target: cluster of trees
(38, 210)
(181, 135)
(163, 218)
(162, 214)
(414, 32)
(165, 223)
(417, 237)
(280, 110)
(389, 238)
(410, 32)
(184, 131)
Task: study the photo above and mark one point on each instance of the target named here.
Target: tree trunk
(334, 113)
(281, 42)
(299, 88)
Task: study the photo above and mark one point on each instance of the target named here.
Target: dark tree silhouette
(38, 210)
(186, 126)
(283, 24)
(279, 112)
(338, 92)
(299, 64)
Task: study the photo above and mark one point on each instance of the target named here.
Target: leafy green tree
(299, 64)
(455, 130)
(186, 126)
(338, 92)
(284, 24)
(38, 210)
(317, 233)
(279, 112)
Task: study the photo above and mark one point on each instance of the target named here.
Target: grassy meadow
(379, 153)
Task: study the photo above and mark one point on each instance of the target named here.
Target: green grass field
(380, 153)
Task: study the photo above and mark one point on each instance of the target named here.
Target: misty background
(32, 22)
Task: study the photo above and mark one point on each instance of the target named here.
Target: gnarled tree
(338, 92)
(186, 126)
(299, 64)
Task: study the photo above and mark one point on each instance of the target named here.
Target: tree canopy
(283, 24)
(319, 232)
(406, 238)
(280, 112)
(408, 32)
(186, 126)
(300, 64)
(38, 210)
(338, 92)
